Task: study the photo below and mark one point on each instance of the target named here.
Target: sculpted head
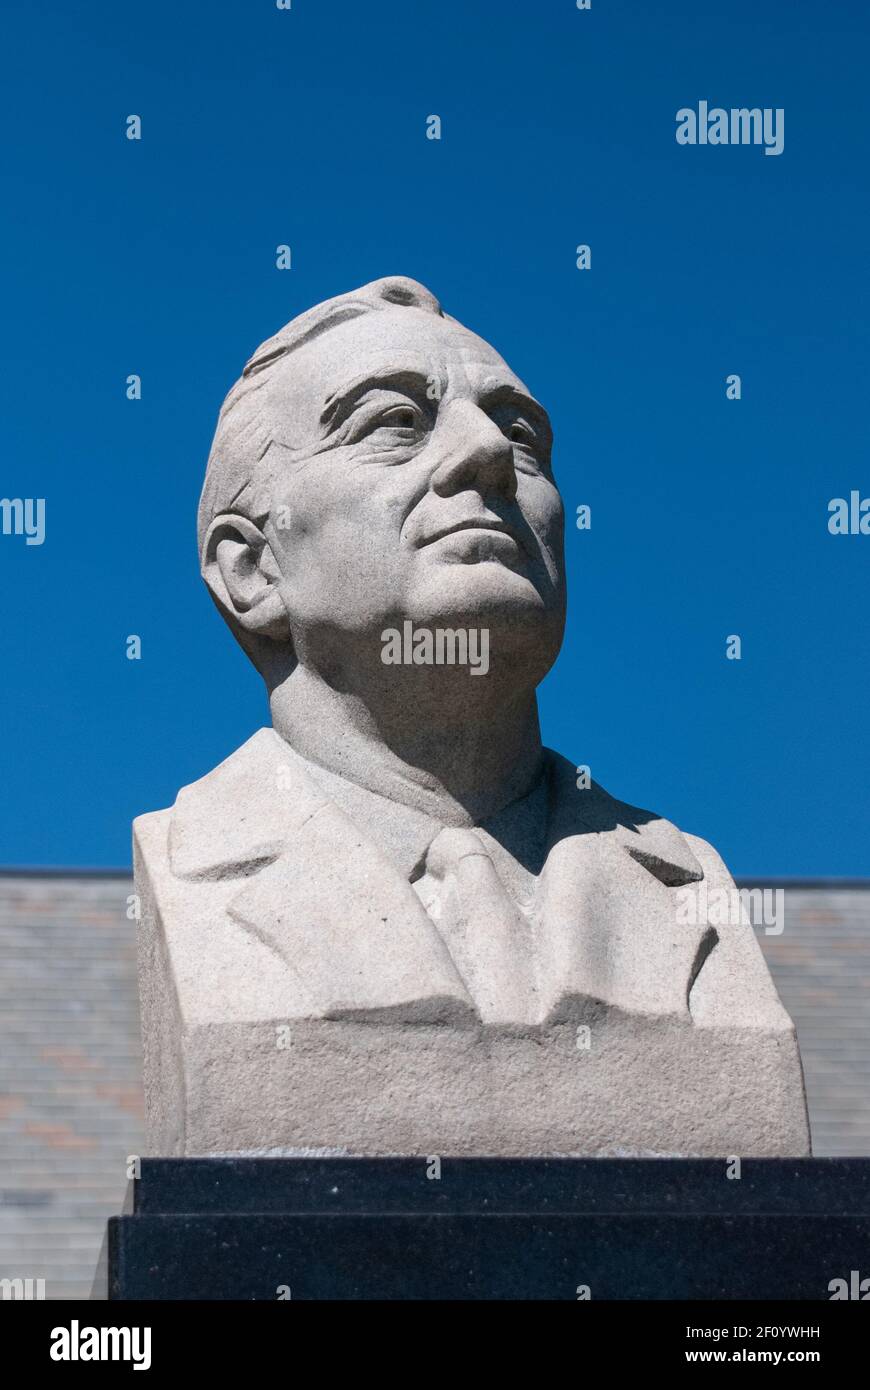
(377, 463)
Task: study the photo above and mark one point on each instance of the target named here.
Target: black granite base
(336, 1228)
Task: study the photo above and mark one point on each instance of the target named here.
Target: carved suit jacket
(291, 909)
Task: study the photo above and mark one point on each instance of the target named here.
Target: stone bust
(393, 922)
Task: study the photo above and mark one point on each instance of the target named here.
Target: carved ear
(240, 570)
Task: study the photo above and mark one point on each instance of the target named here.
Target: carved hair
(234, 482)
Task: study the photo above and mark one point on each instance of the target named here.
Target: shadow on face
(411, 473)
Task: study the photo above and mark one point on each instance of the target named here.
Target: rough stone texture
(390, 1055)
(56, 1194)
(394, 923)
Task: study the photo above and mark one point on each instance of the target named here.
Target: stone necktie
(484, 930)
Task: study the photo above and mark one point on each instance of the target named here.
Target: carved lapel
(607, 909)
(316, 889)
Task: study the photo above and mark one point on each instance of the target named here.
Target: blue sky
(307, 127)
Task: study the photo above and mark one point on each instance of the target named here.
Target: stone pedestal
(382, 1228)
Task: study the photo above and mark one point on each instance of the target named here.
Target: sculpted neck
(458, 750)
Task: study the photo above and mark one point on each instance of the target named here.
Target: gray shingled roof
(821, 965)
(70, 1073)
(70, 1100)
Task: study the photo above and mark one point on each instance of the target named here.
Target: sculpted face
(411, 479)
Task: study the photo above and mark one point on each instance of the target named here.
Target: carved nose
(478, 454)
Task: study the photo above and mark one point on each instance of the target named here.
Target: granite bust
(393, 922)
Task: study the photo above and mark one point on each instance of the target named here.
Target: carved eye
(402, 417)
(387, 423)
(521, 433)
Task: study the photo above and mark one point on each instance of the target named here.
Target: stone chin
(488, 589)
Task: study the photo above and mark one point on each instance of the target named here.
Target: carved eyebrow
(339, 404)
(505, 393)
